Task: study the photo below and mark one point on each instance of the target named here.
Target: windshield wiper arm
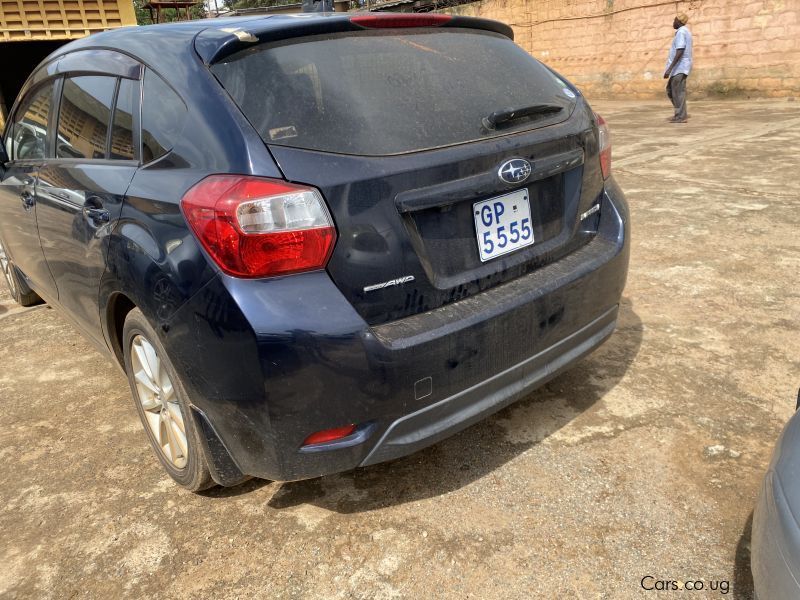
(499, 117)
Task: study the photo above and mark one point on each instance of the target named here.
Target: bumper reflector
(329, 435)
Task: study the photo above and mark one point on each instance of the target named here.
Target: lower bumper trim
(441, 420)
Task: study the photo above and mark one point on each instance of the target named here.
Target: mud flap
(223, 470)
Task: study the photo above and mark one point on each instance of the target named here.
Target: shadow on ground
(742, 575)
(480, 449)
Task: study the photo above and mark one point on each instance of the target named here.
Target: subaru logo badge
(515, 170)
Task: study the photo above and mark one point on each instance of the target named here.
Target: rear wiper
(510, 114)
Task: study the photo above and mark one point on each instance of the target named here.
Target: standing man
(679, 65)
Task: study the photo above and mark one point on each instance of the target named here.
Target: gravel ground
(645, 459)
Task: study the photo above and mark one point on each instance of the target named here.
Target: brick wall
(618, 48)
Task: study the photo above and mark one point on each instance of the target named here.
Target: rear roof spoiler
(220, 41)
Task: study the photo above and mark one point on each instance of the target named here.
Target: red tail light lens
(388, 20)
(329, 435)
(258, 227)
(605, 146)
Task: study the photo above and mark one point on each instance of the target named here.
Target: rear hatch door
(450, 159)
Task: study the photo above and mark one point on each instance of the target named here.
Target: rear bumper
(446, 417)
(284, 358)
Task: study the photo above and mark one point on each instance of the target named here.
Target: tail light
(386, 21)
(258, 227)
(604, 134)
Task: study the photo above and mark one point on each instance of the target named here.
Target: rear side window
(163, 114)
(122, 130)
(84, 117)
(27, 135)
(390, 91)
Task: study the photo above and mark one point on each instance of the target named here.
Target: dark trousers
(676, 91)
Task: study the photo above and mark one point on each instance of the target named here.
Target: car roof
(163, 47)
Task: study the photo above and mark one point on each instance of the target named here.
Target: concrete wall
(618, 48)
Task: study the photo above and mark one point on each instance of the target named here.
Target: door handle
(27, 200)
(96, 215)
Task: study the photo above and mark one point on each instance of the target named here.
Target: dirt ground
(645, 459)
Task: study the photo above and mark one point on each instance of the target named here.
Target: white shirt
(682, 39)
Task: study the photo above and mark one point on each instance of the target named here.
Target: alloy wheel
(6, 266)
(160, 403)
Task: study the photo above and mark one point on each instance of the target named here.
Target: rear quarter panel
(153, 258)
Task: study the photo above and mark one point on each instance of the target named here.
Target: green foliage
(198, 11)
(168, 15)
(142, 16)
(240, 4)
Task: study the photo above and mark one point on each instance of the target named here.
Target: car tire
(21, 293)
(162, 403)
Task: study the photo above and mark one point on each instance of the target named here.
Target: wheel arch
(117, 308)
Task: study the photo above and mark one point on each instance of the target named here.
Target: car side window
(84, 116)
(163, 114)
(122, 131)
(27, 135)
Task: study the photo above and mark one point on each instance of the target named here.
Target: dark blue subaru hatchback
(313, 242)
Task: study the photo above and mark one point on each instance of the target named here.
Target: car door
(80, 190)
(27, 144)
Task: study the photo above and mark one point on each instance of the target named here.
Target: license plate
(503, 224)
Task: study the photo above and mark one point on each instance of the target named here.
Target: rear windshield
(390, 92)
